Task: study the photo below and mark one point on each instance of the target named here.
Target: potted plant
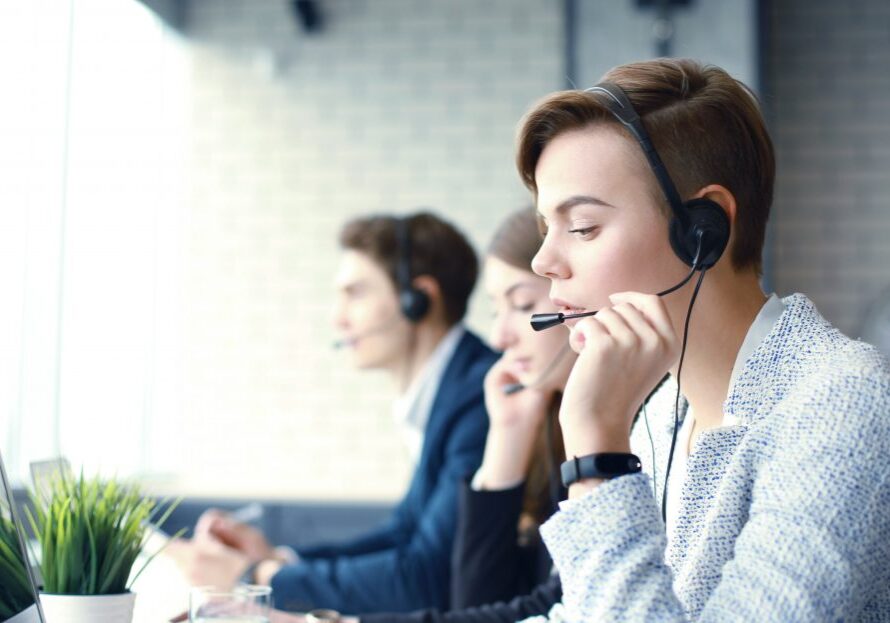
(15, 587)
(90, 534)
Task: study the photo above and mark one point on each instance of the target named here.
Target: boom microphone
(540, 322)
(355, 339)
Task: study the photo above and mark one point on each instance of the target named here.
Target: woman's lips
(566, 311)
(565, 307)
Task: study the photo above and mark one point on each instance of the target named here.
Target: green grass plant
(91, 533)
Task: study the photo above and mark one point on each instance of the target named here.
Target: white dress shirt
(411, 411)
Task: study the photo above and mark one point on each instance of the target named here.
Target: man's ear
(430, 287)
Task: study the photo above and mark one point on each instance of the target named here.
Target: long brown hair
(516, 242)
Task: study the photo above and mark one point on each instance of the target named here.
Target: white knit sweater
(783, 517)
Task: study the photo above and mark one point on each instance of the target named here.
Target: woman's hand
(623, 351)
(524, 409)
(514, 423)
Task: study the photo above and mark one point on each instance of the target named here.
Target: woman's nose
(548, 261)
(502, 335)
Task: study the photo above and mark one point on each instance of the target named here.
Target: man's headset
(413, 302)
(698, 232)
(698, 229)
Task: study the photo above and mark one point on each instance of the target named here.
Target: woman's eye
(583, 232)
(527, 307)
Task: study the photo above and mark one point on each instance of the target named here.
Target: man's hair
(706, 126)
(437, 249)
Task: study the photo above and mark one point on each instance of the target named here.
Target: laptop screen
(18, 590)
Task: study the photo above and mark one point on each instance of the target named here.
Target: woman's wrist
(506, 460)
(585, 434)
(583, 487)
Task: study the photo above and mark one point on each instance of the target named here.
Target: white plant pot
(88, 608)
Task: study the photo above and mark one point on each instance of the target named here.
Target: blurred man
(402, 292)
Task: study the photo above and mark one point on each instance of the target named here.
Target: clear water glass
(242, 604)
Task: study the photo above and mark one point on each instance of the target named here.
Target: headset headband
(620, 106)
(403, 264)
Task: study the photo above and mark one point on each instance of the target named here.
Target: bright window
(90, 207)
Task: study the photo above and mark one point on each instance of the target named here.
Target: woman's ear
(726, 200)
(722, 197)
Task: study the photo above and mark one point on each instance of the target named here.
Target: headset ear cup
(414, 303)
(707, 217)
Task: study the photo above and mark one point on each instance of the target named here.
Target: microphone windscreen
(512, 388)
(545, 321)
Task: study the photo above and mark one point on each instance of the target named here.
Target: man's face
(606, 232)
(366, 313)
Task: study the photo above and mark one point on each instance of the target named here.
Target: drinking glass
(242, 604)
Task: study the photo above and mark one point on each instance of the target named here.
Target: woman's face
(517, 294)
(606, 232)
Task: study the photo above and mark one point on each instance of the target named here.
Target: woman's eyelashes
(585, 232)
(510, 306)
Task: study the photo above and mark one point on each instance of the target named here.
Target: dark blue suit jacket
(405, 565)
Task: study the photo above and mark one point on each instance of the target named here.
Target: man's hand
(206, 561)
(266, 570)
(239, 536)
(623, 351)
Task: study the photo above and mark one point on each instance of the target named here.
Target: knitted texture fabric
(784, 516)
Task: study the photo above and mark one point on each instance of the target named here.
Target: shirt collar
(763, 323)
(411, 411)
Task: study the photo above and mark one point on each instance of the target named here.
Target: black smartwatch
(604, 465)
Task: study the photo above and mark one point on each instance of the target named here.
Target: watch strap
(603, 465)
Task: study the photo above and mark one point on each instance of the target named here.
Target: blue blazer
(405, 564)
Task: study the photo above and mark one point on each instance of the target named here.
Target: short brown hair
(437, 249)
(706, 126)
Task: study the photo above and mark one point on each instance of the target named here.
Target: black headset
(413, 302)
(694, 222)
(698, 231)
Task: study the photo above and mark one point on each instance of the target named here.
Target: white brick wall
(721, 32)
(395, 105)
(830, 98)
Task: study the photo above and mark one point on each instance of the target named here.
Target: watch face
(611, 465)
